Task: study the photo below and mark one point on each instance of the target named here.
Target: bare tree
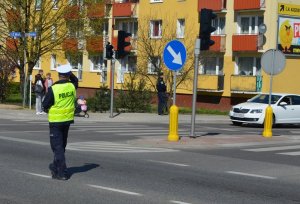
(150, 50)
(43, 25)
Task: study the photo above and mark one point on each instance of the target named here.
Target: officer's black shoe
(53, 170)
(62, 177)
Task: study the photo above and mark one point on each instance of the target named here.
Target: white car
(286, 109)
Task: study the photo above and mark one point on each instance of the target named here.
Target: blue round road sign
(174, 55)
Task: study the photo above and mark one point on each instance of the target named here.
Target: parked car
(286, 109)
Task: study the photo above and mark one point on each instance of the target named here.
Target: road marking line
(170, 163)
(266, 149)
(178, 202)
(27, 131)
(116, 131)
(115, 190)
(39, 175)
(23, 140)
(251, 175)
(291, 153)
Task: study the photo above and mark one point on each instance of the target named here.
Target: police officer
(161, 94)
(59, 102)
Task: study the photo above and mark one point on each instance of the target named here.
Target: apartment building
(229, 72)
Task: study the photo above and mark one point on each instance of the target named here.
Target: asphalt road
(106, 168)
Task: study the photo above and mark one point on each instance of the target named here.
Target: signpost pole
(25, 73)
(112, 74)
(197, 54)
(174, 87)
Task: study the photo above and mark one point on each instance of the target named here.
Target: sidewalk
(204, 141)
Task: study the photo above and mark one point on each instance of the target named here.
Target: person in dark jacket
(59, 102)
(161, 94)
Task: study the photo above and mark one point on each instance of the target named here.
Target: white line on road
(115, 190)
(291, 153)
(266, 149)
(23, 140)
(39, 175)
(27, 131)
(170, 163)
(251, 175)
(178, 202)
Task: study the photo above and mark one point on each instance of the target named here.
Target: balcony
(11, 44)
(211, 83)
(242, 83)
(94, 44)
(246, 42)
(72, 13)
(12, 16)
(125, 8)
(220, 43)
(70, 45)
(215, 5)
(249, 5)
(96, 10)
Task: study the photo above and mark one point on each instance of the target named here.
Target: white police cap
(64, 69)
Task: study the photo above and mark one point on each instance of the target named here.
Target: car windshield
(264, 98)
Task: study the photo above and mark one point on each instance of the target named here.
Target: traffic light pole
(112, 74)
(197, 54)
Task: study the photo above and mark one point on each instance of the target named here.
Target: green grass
(185, 110)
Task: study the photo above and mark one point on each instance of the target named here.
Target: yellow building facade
(229, 72)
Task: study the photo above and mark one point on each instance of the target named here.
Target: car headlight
(256, 111)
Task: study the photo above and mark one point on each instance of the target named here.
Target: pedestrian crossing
(289, 150)
(111, 147)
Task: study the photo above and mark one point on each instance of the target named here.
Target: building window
(128, 63)
(153, 65)
(129, 27)
(156, 1)
(37, 64)
(219, 24)
(38, 4)
(156, 29)
(212, 66)
(75, 61)
(180, 28)
(249, 66)
(55, 4)
(53, 32)
(53, 62)
(96, 63)
(249, 24)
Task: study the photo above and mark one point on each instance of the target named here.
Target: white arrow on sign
(177, 57)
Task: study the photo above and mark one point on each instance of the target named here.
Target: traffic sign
(273, 62)
(15, 34)
(31, 34)
(174, 55)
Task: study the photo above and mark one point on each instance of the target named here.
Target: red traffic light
(123, 47)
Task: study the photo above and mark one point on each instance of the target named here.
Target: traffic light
(109, 51)
(123, 43)
(206, 17)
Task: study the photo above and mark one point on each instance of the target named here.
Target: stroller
(81, 107)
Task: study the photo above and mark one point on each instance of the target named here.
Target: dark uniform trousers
(58, 142)
(162, 102)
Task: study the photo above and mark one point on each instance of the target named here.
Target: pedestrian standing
(48, 82)
(161, 94)
(59, 102)
(39, 91)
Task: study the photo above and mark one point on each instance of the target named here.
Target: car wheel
(237, 123)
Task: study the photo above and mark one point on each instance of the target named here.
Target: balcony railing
(96, 10)
(215, 5)
(211, 82)
(249, 4)
(94, 44)
(70, 44)
(220, 43)
(125, 9)
(245, 42)
(72, 12)
(242, 83)
(11, 44)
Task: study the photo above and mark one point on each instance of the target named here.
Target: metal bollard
(173, 129)
(268, 122)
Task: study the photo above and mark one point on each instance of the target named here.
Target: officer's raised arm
(74, 80)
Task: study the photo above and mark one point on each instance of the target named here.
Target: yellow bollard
(268, 122)
(173, 129)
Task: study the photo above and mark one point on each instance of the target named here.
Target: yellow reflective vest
(64, 103)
